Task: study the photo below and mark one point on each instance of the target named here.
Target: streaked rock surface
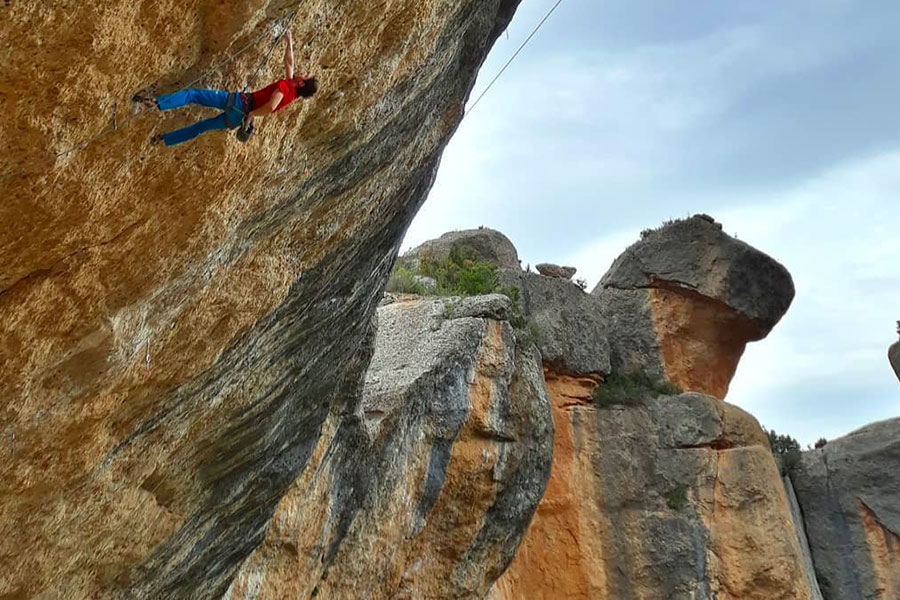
(183, 330)
(849, 492)
(678, 497)
(455, 458)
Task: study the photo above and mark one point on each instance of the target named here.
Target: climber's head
(307, 85)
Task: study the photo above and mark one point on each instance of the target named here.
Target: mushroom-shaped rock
(479, 244)
(684, 300)
(551, 270)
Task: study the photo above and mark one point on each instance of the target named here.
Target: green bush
(460, 274)
(403, 281)
(785, 447)
(630, 389)
(676, 498)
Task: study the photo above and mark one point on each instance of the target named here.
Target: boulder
(551, 270)
(566, 323)
(454, 461)
(673, 497)
(483, 244)
(848, 492)
(684, 300)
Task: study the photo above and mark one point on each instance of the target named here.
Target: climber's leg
(210, 98)
(191, 131)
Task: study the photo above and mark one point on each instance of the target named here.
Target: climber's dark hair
(310, 86)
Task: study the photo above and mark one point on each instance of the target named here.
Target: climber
(239, 108)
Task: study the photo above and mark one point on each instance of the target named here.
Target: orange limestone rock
(669, 497)
(180, 327)
(455, 459)
(682, 303)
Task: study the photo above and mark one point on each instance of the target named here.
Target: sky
(778, 119)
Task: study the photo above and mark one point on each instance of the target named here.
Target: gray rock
(568, 323)
(800, 531)
(429, 284)
(848, 492)
(486, 244)
(421, 397)
(696, 256)
(633, 342)
(666, 547)
(551, 270)
(894, 354)
(490, 306)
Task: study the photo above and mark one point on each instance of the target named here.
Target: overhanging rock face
(179, 328)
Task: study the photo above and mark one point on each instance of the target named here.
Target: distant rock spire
(894, 354)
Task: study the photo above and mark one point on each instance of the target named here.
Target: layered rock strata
(456, 457)
(848, 492)
(682, 303)
(184, 331)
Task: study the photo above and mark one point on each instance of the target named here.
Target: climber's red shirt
(285, 86)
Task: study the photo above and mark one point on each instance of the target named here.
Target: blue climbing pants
(210, 98)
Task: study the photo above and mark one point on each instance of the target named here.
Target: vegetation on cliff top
(630, 389)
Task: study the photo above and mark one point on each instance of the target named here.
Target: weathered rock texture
(551, 270)
(458, 451)
(567, 323)
(800, 531)
(183, 332)
(486, 244)
(684, 300)
(677, 498)
(848, 492)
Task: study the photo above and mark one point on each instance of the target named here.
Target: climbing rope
(284, 29)
(231, 57)
(509, 62)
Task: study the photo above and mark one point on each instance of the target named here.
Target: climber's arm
(288, 56)
(269, 107)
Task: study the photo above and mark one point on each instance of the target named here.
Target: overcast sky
(778, 118)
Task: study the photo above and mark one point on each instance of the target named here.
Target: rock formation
(673, 497)
(684, 300)
(455, 458)
(848, 492)
(652, 496)
(551, 270)
(184, 331)
(567, 324)
(894, 354)
(483, 244)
